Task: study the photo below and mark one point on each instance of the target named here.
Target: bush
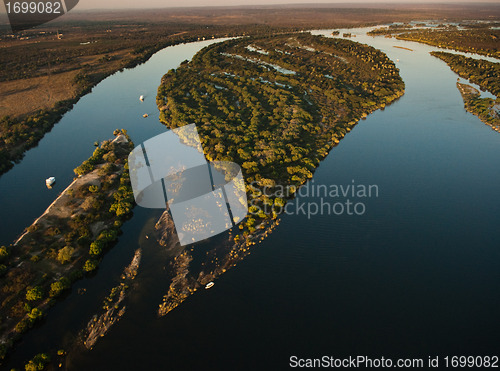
(109, 157)
(108, 235)
(34, 293)
(96, 247)
(89, 203)
(35, 314)
(65, 254)
(22, 326)
(4, 253)
(250, 222)
(90, 265)
(107, 168)
(84, 168)
(38, 362)
(33, 228)
(53, 231)
(57, 287)
(279, 202)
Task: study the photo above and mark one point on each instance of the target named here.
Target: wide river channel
(416, 276)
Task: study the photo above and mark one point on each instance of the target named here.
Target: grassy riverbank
(67, 241)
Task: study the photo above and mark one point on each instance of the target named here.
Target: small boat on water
(141, 98)
(209, 285)
(145, 115)
(50, 181)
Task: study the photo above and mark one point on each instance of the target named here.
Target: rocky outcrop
(166, 234)
(185, 279)
(114, 305)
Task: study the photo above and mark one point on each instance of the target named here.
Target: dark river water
(417, 275)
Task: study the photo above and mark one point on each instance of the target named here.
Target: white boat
(209, 285)
(50, 181)
(141, 97)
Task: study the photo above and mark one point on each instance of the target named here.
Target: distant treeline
(482, 41)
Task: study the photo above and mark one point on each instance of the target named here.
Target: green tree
(4, 253)
(90, 265)
(38, 362)
(34, 293)
(96, 247)
(35, 314)
(65, 254)
(57, 287)
(108, 235)
(84, 168)
(22, 326)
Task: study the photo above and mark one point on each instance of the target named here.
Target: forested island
(276, 106)
(482, 40)
(483, 73)
(67, 241)
(487, 109)
(391, 29)
(476, 37)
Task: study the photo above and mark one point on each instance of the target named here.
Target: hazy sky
(145, 4)
(123, 4)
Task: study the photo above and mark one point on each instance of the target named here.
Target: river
(417, 275)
